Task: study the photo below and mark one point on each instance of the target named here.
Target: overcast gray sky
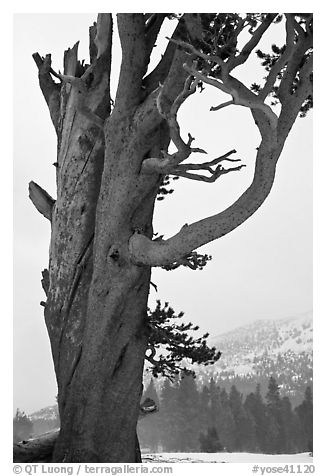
(263, 269)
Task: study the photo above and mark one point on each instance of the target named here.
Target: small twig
(220, 106)
(182, 170)
(209, 164)
(154, 285)
(150, 358)
(203, 178)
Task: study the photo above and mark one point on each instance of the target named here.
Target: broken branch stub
(42, 201)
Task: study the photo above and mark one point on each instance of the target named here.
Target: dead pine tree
(112, 159)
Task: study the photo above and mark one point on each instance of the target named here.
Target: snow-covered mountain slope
(268, 336)
(47, 413)
(252, 353)
(44, 420)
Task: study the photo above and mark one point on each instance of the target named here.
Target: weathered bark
(102, 426)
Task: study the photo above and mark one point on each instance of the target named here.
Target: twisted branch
(241, 95)
(184, 149)
(171, 164)
(273, 130)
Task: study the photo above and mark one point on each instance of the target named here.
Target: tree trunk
(100, 411)
(100, 352)
(96, 305)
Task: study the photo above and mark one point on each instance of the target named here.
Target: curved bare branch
(160, 253)
(241, 95)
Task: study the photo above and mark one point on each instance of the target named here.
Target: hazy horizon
(212, 337)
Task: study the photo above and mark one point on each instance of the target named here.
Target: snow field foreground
(226, 458)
